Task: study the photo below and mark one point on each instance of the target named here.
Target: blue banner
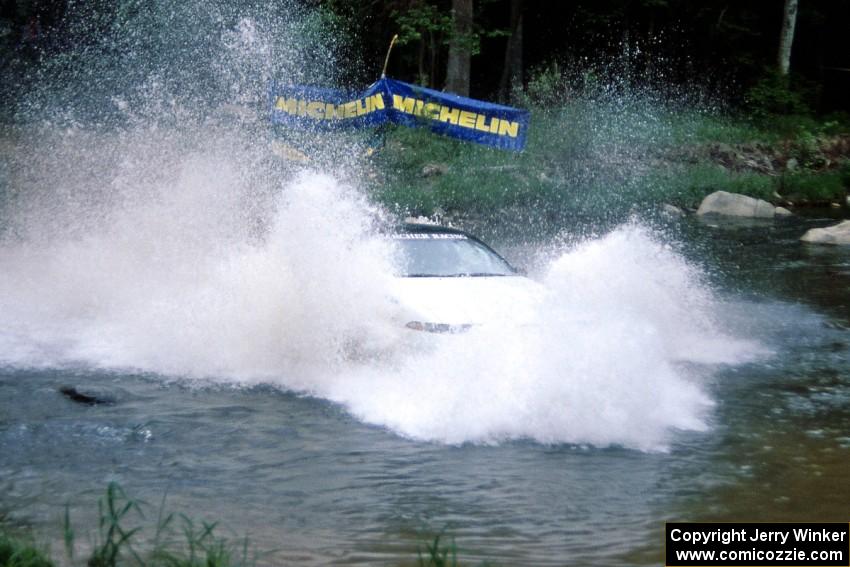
(389, 100)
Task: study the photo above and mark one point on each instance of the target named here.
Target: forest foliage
(727, 48)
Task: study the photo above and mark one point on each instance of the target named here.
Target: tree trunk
(786, 38)
(423, 80)
(457, 71)
(512, 70)
(435, 45)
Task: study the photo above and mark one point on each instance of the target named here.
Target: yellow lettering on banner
(467, 119)
(377, 101)
(481, 123)
(319, 110)
(315, 110)
(431, 110)
(289, 106)
(449, 114)
(333, 111)
(509, 128)
(405, 104)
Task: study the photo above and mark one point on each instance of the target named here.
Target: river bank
(590, 159)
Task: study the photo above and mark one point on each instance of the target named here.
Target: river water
(693, 370)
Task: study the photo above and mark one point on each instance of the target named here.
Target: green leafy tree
(443, 36)
(425, 25)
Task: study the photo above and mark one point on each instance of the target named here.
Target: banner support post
(387, 60)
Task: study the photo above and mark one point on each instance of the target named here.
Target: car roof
(419, 228)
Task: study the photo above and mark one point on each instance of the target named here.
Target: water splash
(163, 62)
(160, 235)
(178, 285)
(605, 362)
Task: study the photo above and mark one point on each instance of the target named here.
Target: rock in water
(837, 234)
(782, 212)
(734, 205)
(75, 395)
(672, 210)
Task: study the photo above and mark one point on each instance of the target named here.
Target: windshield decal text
(430, 236)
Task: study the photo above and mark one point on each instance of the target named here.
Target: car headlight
(437, 327)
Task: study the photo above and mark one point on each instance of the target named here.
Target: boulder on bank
(838, 234)
(734, 205)
(434, 169)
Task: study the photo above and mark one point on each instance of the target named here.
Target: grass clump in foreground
(17, 552)
(438, 555)
(178, 541)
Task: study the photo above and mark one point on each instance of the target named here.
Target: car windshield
(446, 255)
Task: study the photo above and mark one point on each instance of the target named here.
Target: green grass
(114, 538)
(601, 158)
(124, 537)
(21, 552)
(438, 554)
(817, 187)
(475, 178)
(704, 127)
(120, 539)
(687, 185)
(696, 128)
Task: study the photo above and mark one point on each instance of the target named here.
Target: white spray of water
(172, 285)
(602, 363)
(172, 245)
(166, 286)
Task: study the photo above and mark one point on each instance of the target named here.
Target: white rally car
(449, 281)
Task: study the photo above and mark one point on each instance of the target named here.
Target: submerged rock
(86, 399)
(672, 210)
(838, 234)
(734, 205)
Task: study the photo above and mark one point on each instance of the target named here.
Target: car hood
(468, 300)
